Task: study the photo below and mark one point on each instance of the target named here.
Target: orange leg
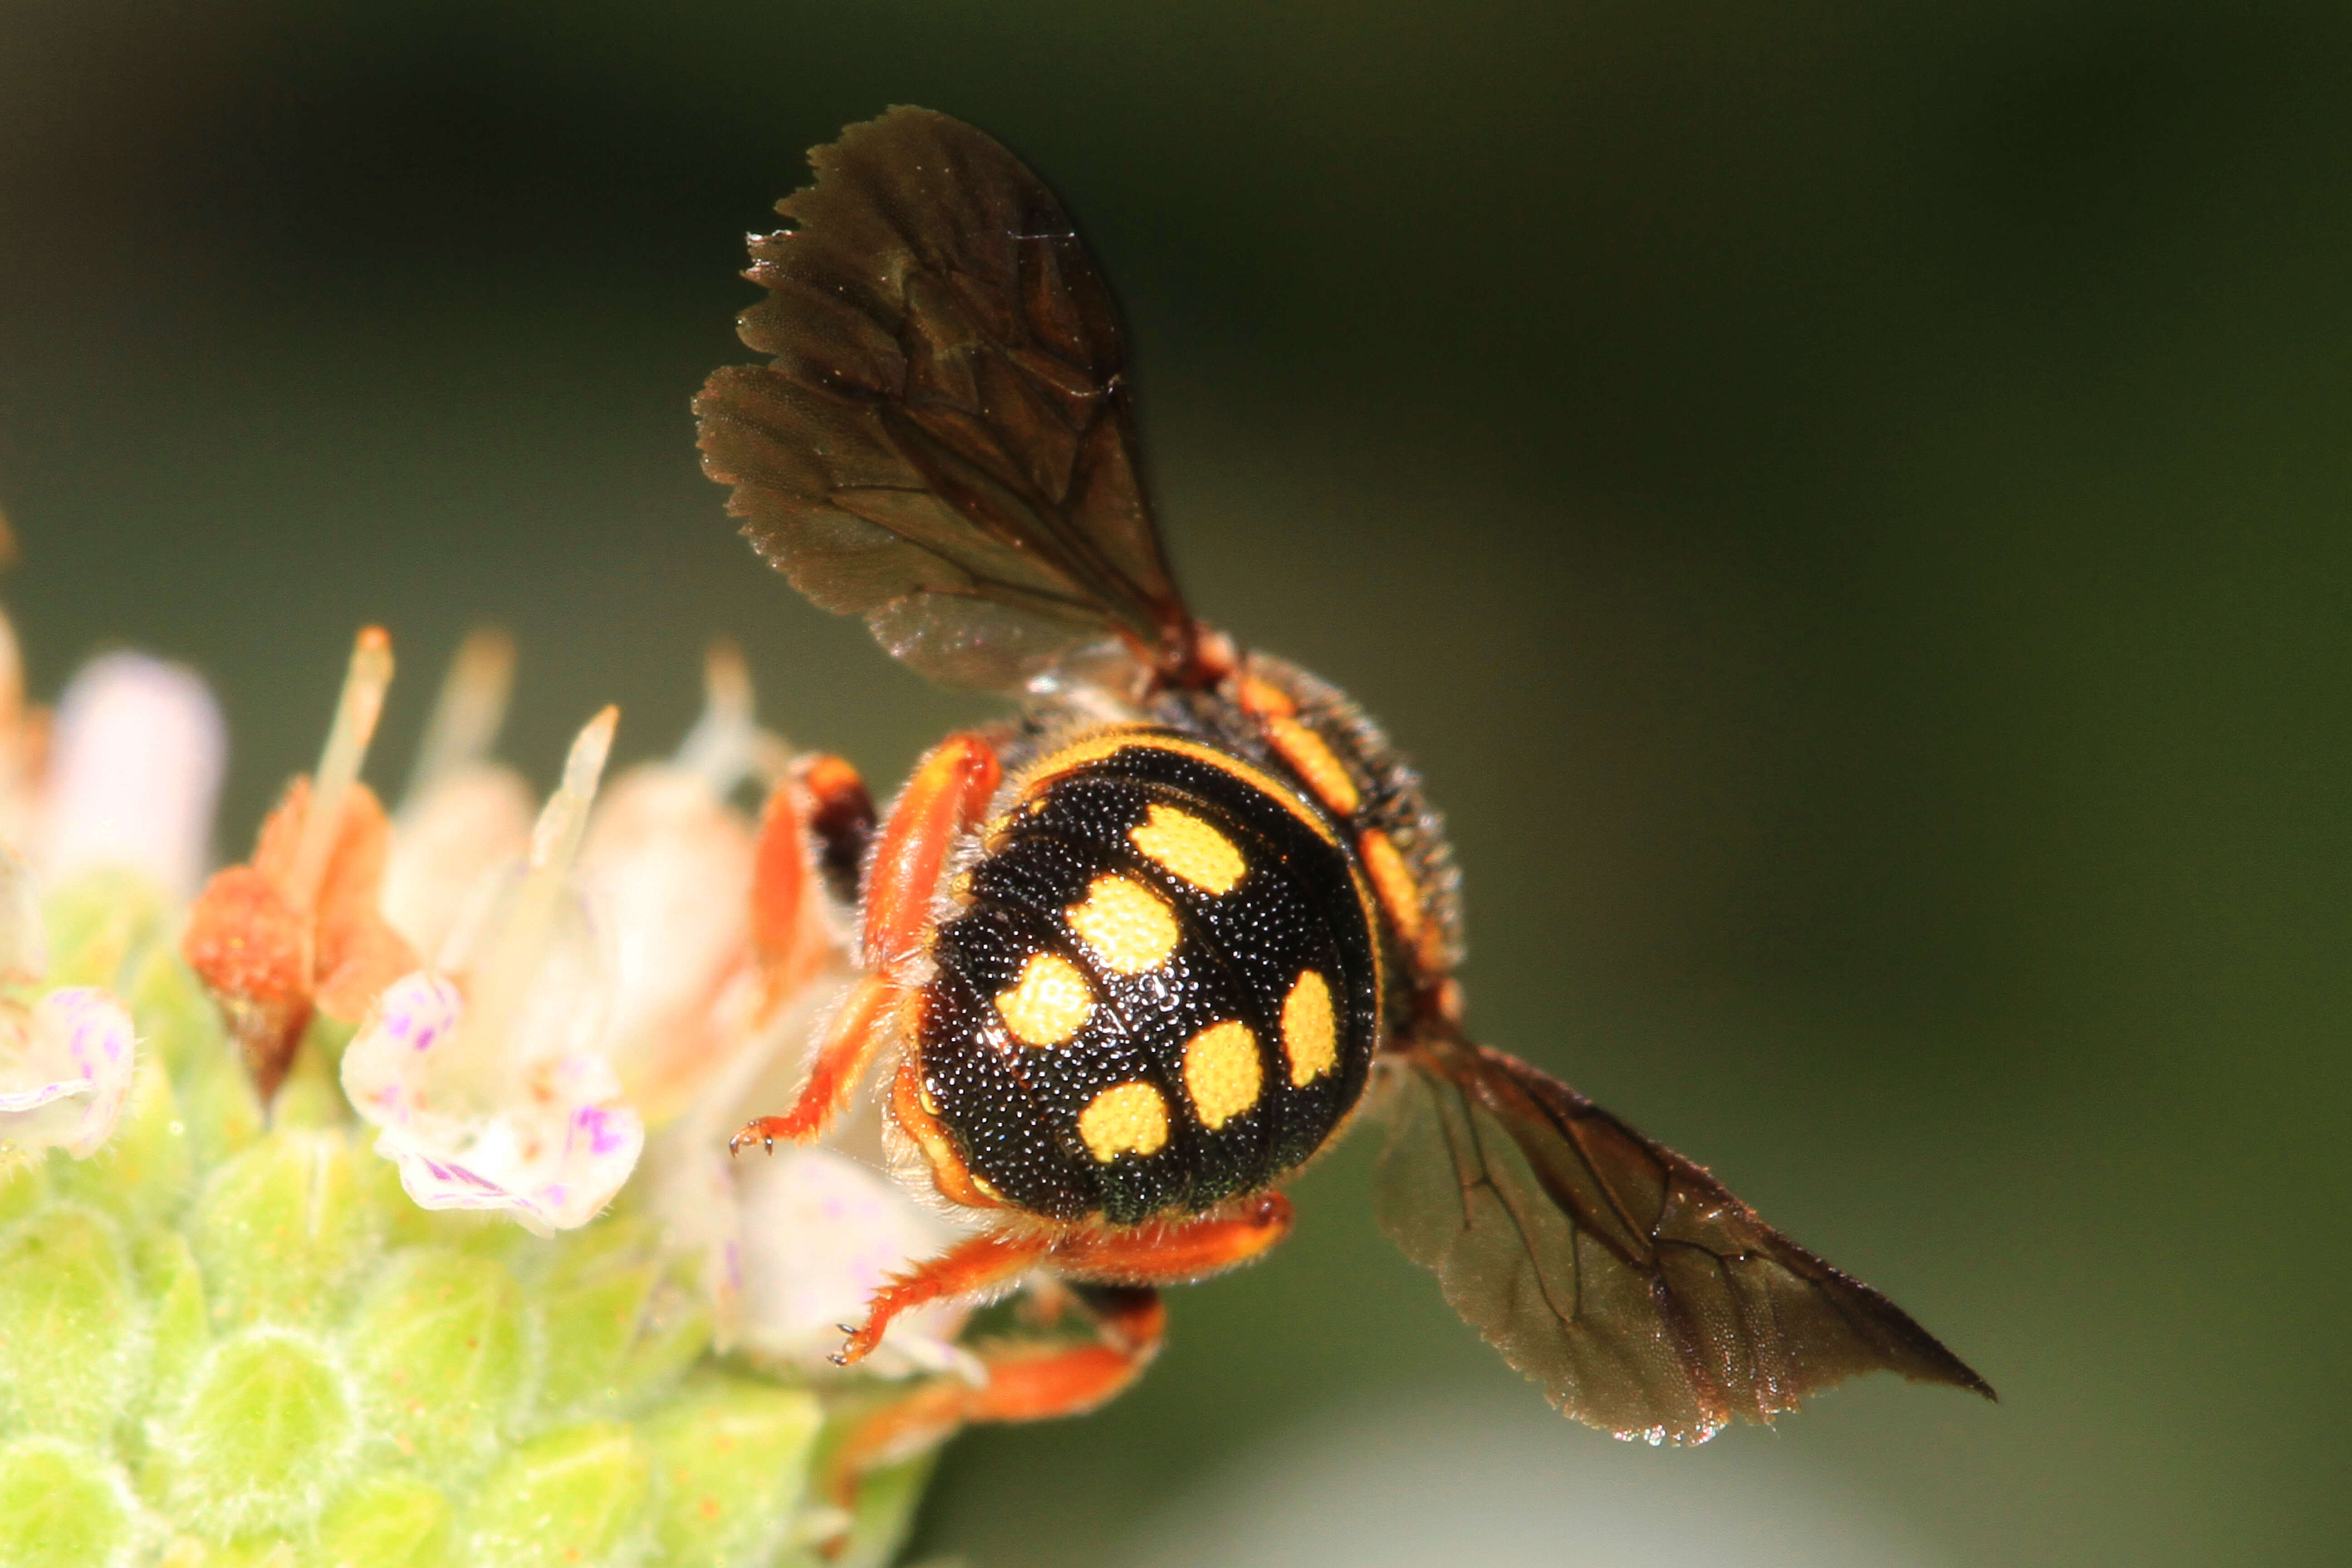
(859, 1028)
(1162, 1252)
(779, 874)
(840, 818)
(973, 1267)
(1169, 1252)
(1026, 1383)
(946, 798)
(948, 795)
(790, 943)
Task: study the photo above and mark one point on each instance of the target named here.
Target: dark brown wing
(944, 441)
(1645, 1297)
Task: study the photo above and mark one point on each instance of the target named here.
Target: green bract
(230, 1341)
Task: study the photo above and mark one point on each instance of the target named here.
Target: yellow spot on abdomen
(1049, 1003)
(1221, 1073)
(1310, 1038)
(1126, 924)
(1313, 761)
(1127, 1119)
(1183, 846)
(1393, 880)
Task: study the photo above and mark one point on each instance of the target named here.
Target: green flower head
(370, 1208)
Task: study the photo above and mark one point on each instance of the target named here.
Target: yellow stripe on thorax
(1103, 744)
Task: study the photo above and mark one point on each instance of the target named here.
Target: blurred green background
(1848, 506)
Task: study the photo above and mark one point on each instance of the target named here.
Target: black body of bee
(1166, 988)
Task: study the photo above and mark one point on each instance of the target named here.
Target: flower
(64, 1070)
(461, 812)
(135, 767)
(301, 926)
(791, 1247)
(500, 1100)
(822, 1233)
(666, 874)
(231, 1332)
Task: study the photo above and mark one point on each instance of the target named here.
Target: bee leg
(1025, 1382)
(780, 870)
(1160, 1252)
(1168, 1252)
(1110, 1272)
(946, 798)
(859, 1028)
(840, 820)
(792, 936)
(973, 1267)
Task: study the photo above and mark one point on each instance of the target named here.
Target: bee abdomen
(1164, 990)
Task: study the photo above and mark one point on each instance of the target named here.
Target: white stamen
(467, 714)
(722, 745)
(518, 952)
(356, 712)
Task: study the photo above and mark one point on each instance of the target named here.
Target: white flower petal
(547, 1142)
(389, 1066)
(467, 824)
(666, 869)
(694, 1195)
(64, 1072)
(820, 1233)
(791, 1244)
(137, 764)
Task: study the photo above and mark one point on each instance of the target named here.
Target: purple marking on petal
(598, 1124)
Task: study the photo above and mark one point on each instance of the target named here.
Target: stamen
(356, 712)
(467, 714)
(517, 952)
(724, 745)
(556, 837)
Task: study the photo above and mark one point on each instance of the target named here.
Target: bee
(1132, 958)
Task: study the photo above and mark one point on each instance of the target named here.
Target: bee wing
(944, 440)
(1645, 1299)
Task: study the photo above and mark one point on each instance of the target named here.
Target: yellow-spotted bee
(1131, 958)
